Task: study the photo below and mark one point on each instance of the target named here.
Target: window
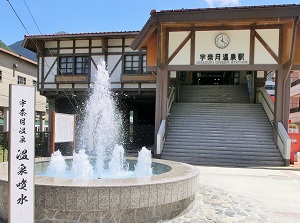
(34, 83)
(270, 87)
(135, 64)
(0, 76)
(131, 64)
(82, 65)
(50, 51)
(144, 63)
(21, 80)
(66, 65)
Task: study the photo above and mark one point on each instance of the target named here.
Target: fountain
(114, 189)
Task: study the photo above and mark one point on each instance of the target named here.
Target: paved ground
(245, 195)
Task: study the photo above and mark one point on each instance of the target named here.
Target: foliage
(3, 154)
(3, 46)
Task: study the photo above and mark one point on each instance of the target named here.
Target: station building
(183, 79)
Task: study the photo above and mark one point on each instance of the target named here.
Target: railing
(41, 145)
(294, 110)
(3, 146)
(264, 99)
(162, 128)
(296, 82)
(283, 139)
(42, 148)
(284, 143)
(171, 98)
(161, 137)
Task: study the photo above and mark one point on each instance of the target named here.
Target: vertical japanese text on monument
(221, 59)
(21, 156)
(21, 146)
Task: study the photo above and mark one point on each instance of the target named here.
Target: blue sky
(48, 17)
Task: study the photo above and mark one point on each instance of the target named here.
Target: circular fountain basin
(145, 199)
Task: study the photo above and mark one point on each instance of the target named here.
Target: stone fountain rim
(179, 172)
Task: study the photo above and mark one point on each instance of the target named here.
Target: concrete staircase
(220, 132)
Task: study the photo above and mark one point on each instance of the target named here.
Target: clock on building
(222, 40)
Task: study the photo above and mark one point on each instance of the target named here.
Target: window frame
(21, 80)
(65, 70)
(84, 65)
(144, 64)
(74, 65)
(135, 64)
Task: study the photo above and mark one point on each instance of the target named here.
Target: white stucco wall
(112, 61)
(261, 55)
(48, 64)
(93, 68)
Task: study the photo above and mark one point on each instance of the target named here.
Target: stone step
(249, 155)
(228, 162)
(190, 140)
(192, 149)
(210, 129)
(219, 136)
(216, 145)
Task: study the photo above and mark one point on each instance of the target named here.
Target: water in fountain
(144, 163)
(57, 166)
(81, 167)
(118, 163)
(99, 135)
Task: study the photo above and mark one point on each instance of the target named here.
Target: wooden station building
(174, 50)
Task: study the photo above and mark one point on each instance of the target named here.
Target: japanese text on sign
(221, 59)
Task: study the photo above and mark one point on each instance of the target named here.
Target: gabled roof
(28, 39)
(271, 14)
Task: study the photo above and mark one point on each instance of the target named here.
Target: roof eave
(233, 13)
(214, 14)
(146, 31)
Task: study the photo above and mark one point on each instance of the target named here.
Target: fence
(41, 145)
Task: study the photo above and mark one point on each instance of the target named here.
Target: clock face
(222, 40)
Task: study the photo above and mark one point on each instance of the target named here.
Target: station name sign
(221, 59)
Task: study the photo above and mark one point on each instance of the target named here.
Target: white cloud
(222, 3)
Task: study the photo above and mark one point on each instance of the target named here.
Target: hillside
(19, 49)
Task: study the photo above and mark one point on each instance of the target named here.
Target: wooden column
(161, 99)
(51, 102)
(161, 82)
(282, 97)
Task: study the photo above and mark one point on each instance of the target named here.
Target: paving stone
(215, 205)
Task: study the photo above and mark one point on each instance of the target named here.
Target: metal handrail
(162, 128)
(171, 98)
(264, 99)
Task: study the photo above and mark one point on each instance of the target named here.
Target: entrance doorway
(210, 77)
